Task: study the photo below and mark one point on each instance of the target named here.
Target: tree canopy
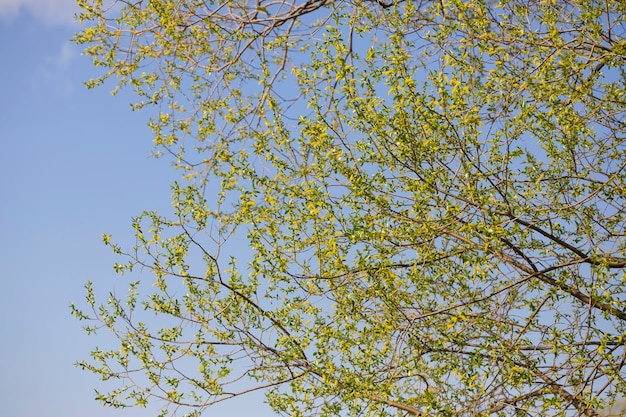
(384, 208)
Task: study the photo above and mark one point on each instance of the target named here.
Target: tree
(384, 208)
(616, 410)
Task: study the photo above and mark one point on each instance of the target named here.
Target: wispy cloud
(58, 12)
(66, 54)
(54, 76)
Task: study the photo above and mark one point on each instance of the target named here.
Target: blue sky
(74, 164)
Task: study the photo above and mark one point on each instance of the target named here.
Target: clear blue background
(74, 163)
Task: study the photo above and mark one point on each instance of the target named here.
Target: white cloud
(48, 11)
